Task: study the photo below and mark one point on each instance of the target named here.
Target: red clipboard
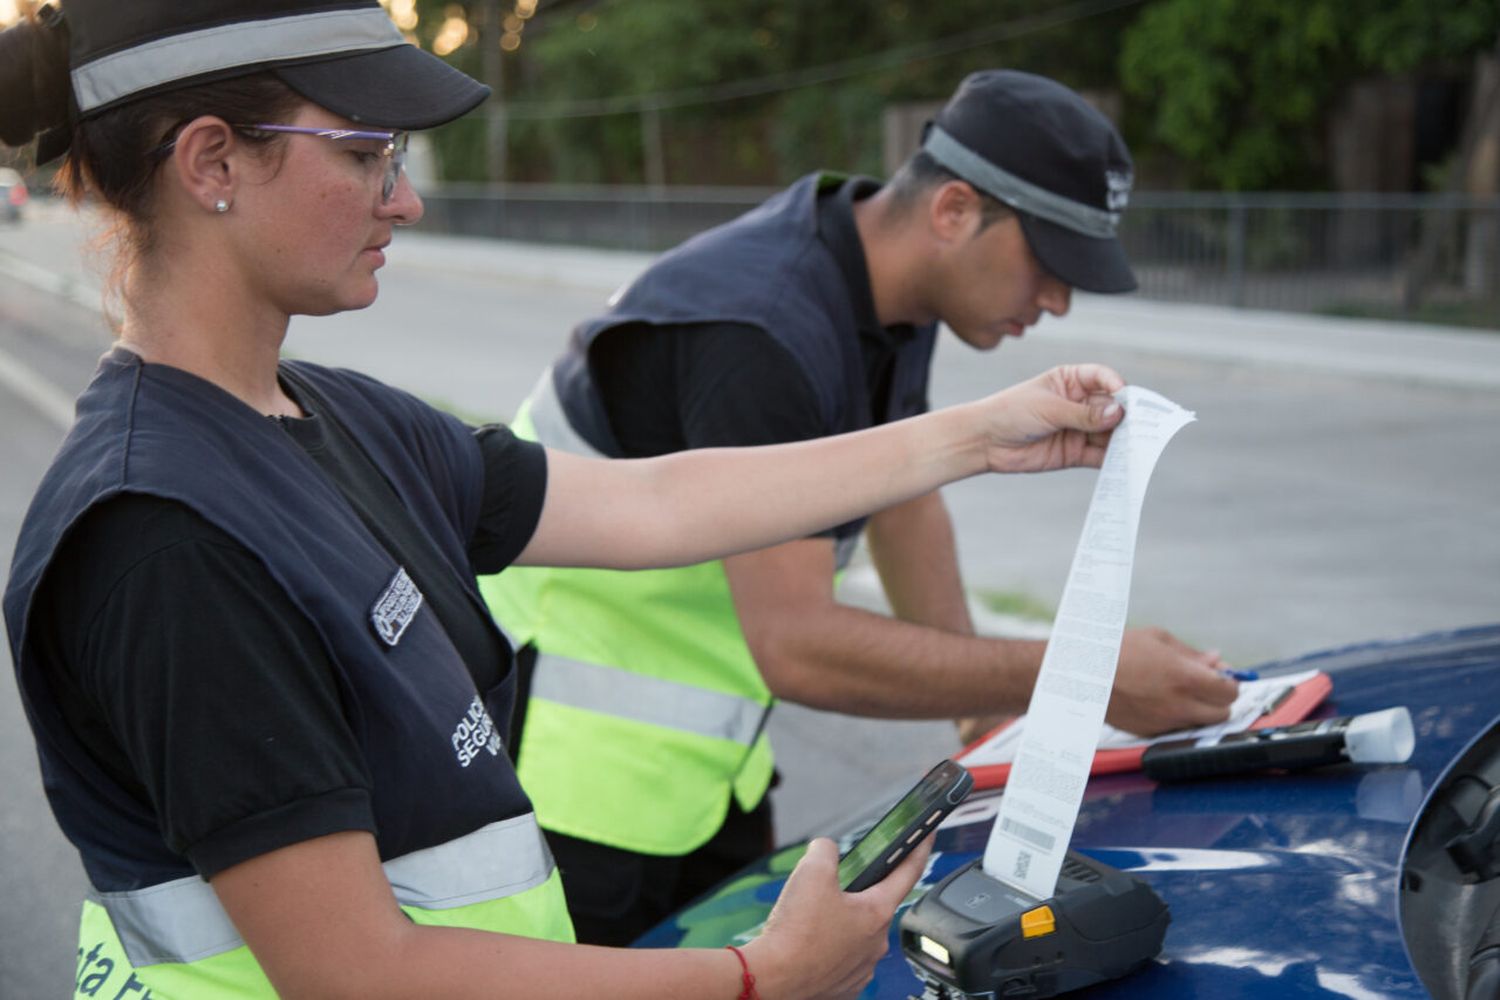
(1294, 706)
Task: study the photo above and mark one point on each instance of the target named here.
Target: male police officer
(643, 744)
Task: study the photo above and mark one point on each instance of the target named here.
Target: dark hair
(921, 173)
(113, 155)
(34, 85)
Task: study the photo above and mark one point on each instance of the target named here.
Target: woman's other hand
(821, 943)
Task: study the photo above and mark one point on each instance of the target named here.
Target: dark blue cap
(1043, 150)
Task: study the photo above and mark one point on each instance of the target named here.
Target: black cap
(344, 56)
(1044, 151)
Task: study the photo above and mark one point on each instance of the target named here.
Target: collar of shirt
(838, 232)
(308, 431)
(878, 344)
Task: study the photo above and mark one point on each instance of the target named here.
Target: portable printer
(972, 936)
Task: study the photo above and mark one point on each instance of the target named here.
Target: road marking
(76, 291)
(50, 401)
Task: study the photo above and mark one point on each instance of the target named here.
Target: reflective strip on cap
(183, 921)
(650, 700)
(1014, 191)
(116, 76)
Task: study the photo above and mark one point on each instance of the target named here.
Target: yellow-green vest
(176, 941)
(647, 710)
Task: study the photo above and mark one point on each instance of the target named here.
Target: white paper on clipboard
(1255, 699)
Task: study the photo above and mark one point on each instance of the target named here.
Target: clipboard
(1292, 705)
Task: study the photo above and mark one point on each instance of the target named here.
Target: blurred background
(1325, 156)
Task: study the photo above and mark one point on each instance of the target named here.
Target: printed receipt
(1040, 805)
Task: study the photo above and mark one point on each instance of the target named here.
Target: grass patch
(1017, 604)
(467, 416)
(1476, 316)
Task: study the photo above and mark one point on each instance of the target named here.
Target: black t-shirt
(230, 725)
(702, 385)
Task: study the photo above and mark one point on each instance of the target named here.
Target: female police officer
(242, 609)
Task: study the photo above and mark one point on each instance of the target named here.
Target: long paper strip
(1040, 805)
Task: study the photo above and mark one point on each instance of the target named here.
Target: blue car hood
(1279, 885)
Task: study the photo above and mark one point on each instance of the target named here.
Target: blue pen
(1244, 675)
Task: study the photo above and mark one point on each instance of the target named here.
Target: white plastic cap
(1380, 737)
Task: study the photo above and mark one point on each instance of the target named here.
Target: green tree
(1239, 89)
(815, 75)
(580, 60)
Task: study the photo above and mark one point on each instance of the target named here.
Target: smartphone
(917, 814)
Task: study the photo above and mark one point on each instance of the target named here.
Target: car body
(1334, 881)
(13, 194)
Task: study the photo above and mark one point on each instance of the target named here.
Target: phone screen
(930, 797)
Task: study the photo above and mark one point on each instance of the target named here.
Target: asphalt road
(39, 871)
(1341, 484)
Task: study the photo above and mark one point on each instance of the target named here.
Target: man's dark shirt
(703, 385)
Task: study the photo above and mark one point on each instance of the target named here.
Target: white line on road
(76, 291)
(50, 401)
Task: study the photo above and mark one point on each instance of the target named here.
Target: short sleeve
(515, 486)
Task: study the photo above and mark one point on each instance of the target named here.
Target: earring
(221, 206)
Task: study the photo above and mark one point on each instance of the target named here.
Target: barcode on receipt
(1028, 833)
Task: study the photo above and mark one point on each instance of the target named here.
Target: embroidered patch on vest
(395, 608)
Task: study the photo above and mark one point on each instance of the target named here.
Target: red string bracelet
(749, 980)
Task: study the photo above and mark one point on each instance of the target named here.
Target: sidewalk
(44, 252)
(1405, 351)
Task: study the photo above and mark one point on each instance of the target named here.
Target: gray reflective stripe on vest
(553, 429)
(1014, 191)
(843, 551)
(656, 702)
(194, 53)
(498, 860)
(182, 920)
(550, 420)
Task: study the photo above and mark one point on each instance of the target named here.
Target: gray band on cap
(196, 53)
(1014, 191)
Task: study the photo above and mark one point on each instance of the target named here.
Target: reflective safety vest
(646, 709)
(458, 837)
(174, 940)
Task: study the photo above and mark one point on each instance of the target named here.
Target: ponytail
(110, 155)
(35, 89)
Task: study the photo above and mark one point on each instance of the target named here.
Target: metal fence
(617, 218)
(1432, 257)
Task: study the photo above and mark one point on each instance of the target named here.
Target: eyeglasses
(394, 151)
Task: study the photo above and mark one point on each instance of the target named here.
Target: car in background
(1342, 881)
(13, 194)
